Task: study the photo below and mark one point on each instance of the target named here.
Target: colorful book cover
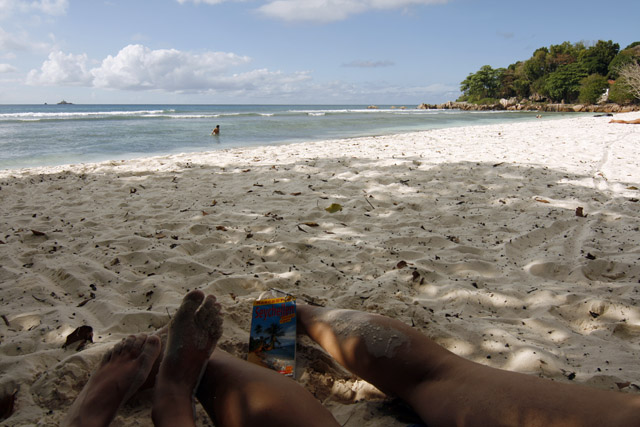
(272, 341)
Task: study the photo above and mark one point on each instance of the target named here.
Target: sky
(392, 52)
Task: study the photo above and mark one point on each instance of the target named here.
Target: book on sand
(272, 341)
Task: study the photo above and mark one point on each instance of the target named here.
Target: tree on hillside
(592, 88)
(626, 56)
(619, 93)
(537, 66)
(520, 85)
(482, 85)
(564, 54)
(630, 76)
(596, 59)
(564, 83)
(557, 73)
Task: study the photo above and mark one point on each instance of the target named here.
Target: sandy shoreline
(499, 268)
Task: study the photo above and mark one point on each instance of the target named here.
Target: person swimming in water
(216, 130)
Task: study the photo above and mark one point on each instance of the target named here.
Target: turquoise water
(48, 135)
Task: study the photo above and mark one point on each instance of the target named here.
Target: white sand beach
(516, 246)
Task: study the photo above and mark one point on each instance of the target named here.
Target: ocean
(52, 135)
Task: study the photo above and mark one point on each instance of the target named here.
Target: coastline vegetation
(563, 73)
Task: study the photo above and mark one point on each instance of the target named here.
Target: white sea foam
(91, 132)
(76, 114)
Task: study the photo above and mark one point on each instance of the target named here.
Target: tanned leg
(235, 393)
(192, 337)
(629, 122)
(445, 389)
(120, 374)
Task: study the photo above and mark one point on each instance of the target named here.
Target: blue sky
(280, 51)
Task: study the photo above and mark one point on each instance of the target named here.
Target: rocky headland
(525, 105)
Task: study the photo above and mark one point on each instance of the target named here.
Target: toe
(107, 356)
(209, 318)
(129, 344)
(208, 312)
(190, 303)
(150, 349)
(119, 347)
(138, 343)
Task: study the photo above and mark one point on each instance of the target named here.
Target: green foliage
(521, 85)
(620, 93)
(596, 59)
(563, 72)
(536, 66)
(538, 87)
(630, 54)
(483, 84)
(592, 88)
(564, 83)
(563, 54)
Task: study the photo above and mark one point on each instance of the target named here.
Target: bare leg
(120, 374)
(445, 389)
(235, 392)
(193, 334)
(629, 122)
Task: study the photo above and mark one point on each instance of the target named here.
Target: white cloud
(7, 68)
(61, 69)
(6, 7)
(379, 92)
(49, 7)
(19, 42)
(262, 82)
(8, 42)
(139, 68)
(332, 10)
(216, 74)
(323, 10)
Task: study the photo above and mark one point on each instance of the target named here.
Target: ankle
(173, 390)
(172, 407)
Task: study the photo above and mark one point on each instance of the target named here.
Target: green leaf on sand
(335, 207)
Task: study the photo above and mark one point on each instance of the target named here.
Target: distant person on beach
(629, 122)
(216, 130)
(442, 388)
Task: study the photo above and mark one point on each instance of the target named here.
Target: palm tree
(274, 331)
(258, 329)
(256, 342)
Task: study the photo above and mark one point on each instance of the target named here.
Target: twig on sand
(366, 198)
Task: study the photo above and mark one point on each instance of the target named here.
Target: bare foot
(120, 374)
(151, 379)
(193, 335)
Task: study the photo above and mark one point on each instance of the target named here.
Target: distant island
(63, 102)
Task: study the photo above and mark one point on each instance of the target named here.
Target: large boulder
(507, 103)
